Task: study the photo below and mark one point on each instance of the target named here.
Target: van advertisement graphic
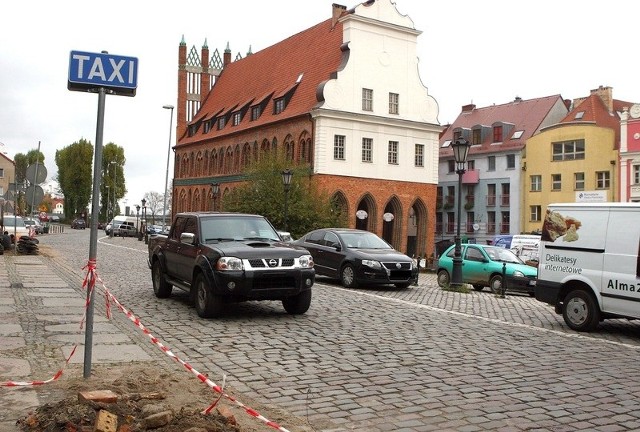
(556, 225)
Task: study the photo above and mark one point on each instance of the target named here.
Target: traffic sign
(90, 71)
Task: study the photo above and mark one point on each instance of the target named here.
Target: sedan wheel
(348, 276)
(444, 280)
(495, 284)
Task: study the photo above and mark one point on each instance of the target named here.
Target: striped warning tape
(89, 282)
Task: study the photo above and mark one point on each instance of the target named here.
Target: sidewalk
(40, 316)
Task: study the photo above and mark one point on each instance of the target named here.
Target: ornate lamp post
(137, 213)
(215, 190)
(144, 218)
(286, 182)
(460, 152)
(166, 178)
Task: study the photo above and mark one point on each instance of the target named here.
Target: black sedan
(357, 257)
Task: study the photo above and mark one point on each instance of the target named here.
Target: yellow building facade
(567, 162)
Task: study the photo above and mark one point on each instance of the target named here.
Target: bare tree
(154, 204)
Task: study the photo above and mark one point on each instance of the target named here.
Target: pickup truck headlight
(518, 273)
(229, 263)
(373, 264)
(306, 261)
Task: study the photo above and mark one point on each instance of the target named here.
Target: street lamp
(166, 178)
(460, 152)
(144, 217)
(137, 213)
(286, 182)
(215, 190)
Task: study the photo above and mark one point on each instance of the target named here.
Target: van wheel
(208, 305)
(161, 288)
(580, 311)
(444, 280)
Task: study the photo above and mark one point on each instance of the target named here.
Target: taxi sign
(90, 71)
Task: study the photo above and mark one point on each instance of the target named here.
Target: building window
(255, 112)
(451, 222)
(536, 183)
(511, 161)
(1, 172)
(579, 181)
(497, 134)
(491, 222)
(636, 174)
(221, 123)
(568, 150)
(451, 166)
(338, 147)
(492, 163)
(392, 155)
(505, 198)
(394, 99)
(536, 213)
(471, 165)
(207, 127)
(505, 224)
(476, 136)
(491, 195)
(236, 118)
(602, 180)
(419, 157)
(367, 99)
(367, 149)
(556, 182)
(279, 106)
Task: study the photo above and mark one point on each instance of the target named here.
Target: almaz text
(622, 286)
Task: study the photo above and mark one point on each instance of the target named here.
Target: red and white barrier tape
(89, 283)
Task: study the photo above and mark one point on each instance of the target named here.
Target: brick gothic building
(344, 97)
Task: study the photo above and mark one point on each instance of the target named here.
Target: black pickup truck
(219, 258)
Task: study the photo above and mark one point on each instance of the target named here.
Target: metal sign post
(101, 73)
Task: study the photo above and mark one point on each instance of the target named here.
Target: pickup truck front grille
(271, 262)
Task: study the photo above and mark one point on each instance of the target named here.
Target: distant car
(285, 236)
(35, 223)
(482, 266)
(125, 229)
(78, 224)
(357, 257)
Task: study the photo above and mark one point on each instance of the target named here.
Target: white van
(527, 247)
(122, 226)
(590, 262)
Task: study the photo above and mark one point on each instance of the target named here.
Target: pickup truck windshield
(221, 228)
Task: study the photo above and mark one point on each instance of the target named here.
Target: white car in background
(15, 225)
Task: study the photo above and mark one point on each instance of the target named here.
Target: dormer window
(207, 126)
(221, 123)
(497, 134)
(255, 112)
(237, 116)
(279, 106)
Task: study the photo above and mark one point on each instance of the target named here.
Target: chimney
(606, 94)
(336, 12)
(226, 57)
(468, 108)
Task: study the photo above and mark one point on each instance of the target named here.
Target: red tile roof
(310, 57)
(594, 110)
(525, 115)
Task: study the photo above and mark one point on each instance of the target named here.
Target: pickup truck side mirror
(188, 238)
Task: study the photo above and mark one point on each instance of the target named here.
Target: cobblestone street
(381, 359)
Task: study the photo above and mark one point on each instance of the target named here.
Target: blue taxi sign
(90, 71)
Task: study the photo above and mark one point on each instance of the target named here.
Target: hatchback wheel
(444, 280)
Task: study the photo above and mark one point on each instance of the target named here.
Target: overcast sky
(470, 51)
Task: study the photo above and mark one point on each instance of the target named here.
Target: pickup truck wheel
(161, 288)
(299, 304)
(580, 312)
(208, 305)
(348, 276)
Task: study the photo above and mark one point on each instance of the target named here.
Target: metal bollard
(504, 280)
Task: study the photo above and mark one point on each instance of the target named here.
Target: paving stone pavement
(366, 359)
